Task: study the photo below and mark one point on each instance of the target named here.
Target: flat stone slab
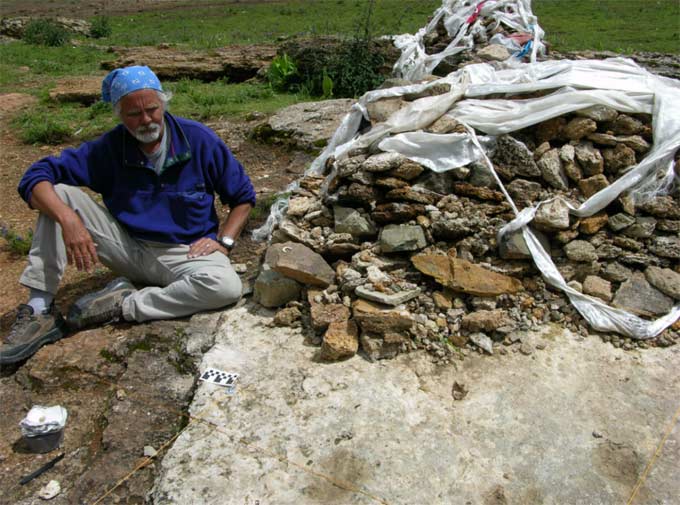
(574, 423)
(237, 63)
(307, 125)
(392, 299)
(84, 90)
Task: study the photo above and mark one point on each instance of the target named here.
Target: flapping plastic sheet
(618, 83)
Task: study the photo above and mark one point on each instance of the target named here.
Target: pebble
(149, 451)
(51, 489)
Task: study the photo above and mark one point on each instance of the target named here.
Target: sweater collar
(179, 149)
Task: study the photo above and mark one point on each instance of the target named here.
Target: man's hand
(80, 248)
(204, 246)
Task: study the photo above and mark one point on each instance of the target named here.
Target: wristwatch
(227, 242)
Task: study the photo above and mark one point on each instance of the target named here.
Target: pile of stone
(388, 256)
(483, 51)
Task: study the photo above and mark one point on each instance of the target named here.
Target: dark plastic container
(46, 442)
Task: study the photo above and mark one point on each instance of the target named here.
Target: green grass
(220, 25)
(23, 65)
(199, 100)
(16, 243)
(623, 26)
(50, 123)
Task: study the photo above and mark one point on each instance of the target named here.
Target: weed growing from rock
(100, 27)
(45, 32)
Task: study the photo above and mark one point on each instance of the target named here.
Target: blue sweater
(175, 207)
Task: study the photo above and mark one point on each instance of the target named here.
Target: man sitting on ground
(158, 175)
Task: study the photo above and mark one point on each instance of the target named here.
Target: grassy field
(622, 26)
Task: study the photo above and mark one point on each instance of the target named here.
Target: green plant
(326, 85)
(282, 73)
(45, 32)
(100, 27)
(37, 128)
(17, 244)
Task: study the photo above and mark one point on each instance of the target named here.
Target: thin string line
(659, 448)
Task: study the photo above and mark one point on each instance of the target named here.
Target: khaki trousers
(177, 285)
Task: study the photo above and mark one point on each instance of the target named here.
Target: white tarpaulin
(464, 20)
(618, 83)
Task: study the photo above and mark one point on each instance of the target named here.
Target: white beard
(147, 134)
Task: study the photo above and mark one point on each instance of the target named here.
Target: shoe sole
(74, 312)
(57, 333)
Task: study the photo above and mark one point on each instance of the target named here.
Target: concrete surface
(575, 423)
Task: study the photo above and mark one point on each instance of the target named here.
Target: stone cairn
(389, 256)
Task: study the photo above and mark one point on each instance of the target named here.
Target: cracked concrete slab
(574, 423)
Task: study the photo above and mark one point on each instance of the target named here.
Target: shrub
(327, 66)
(17, 244)
(100, 27)
(45, 32)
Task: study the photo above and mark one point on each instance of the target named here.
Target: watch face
(227, 242)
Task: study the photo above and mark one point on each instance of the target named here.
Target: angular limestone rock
(636, 295)
(348, 220)
(589, 158)
(383, 162)
(598, 113)
(552, 171)
(380, 320)
(402, 237)
(592, 185)
(462, 275)
(665, 280)
(579, 127)
(552, 215)
(392, 299)
(580, 251)
(485, 320)
(300, 263)
(596, 286)
(273, 289)
(340, 341)
(323, 314)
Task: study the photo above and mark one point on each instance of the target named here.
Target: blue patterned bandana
(122, 81)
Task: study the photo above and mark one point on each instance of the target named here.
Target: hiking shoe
(30, 332)
(105, 306)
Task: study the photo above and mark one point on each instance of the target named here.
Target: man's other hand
(204, 246)
(80, 248)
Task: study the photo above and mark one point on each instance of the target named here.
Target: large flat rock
(308, 125)
(575, 423)
(237, 63)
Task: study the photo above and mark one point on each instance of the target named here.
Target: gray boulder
(402, 237)
(638, 296)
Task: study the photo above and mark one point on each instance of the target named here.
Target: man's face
(142, 114)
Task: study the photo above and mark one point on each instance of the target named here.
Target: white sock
(40, 300)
